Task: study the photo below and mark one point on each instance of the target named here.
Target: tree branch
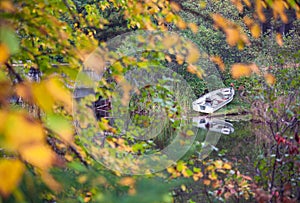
(12, 71)
(71, 147)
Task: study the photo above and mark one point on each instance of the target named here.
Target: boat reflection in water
(213, 124)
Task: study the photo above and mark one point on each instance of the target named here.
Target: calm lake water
(240, 147)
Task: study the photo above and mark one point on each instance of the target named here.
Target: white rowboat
(214, 100)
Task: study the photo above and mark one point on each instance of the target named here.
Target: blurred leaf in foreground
(11, 172)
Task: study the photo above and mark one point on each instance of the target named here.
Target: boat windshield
(202, 107)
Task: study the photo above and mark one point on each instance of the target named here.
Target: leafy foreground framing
(42, 160)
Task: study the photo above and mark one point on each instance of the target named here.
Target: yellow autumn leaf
(286, 5)
(175, 7)
(7, 6)
(183, 188)
(68, 157)
(255, 30)
(42, 97)
(4, 53)
(193, 53)
(218, 60)
(279, 39)
(59, 92)
(247, 2)
(220, 21)
(227, 166)
(240, 70)
(169, 18)
(154, 9)
(50, 181)
(181, 24)
(24, 90)
(193, 27)
(238, 4)
(279, 9)
(248, 21)
(168, 58)
(210, 168)
(22, 130)
(206, 182)
(169, 41)
(218, 164)
(11, 172)
(39, 155)
(171, 170)
(87, 199)
(82, 179)
(232, 36)
(213, 176)
(185, 173)
(270, 79)
(127, 181)
(3, 117)
(202, 4)
(254, 68)
(197, 176)
(259, 7)
(179, 59)
(192, 69)
(118, 67)
(244, 38)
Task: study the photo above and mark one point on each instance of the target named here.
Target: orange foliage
(238, 5)
(38, 155)
(279, 7)
(270, 79)
(193, 27)
(4, 53)
(11, 172)
(259, 6)
(218, 60)
(240, 70)
(247, 2)
(279, 39)
(234, 34)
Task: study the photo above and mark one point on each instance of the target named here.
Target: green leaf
(189, 172)
(196, 170)
(190, 133)
(77, 166)
(9, 37)
(180, 166)
(61, 126)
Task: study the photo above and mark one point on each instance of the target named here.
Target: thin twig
(274, 169)
(12, 70)
(72, 148)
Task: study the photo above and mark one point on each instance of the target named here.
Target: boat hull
(214, 100)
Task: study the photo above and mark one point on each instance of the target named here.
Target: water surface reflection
(213, 124)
